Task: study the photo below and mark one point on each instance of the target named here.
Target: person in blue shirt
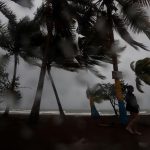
(133, 107)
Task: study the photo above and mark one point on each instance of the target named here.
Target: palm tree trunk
(34, 115)
(56, 95)
(15, 71)
(118, 90)
(6, 113)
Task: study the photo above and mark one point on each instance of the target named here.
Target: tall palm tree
(34, 115)
(49, 15)
(14, 38)
(61, 33)
(142, 72)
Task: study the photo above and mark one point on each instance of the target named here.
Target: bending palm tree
(58, 31)
(34, 115)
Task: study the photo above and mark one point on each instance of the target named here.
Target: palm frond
(91, 61)
(93, 70)
(141, 3)
(142, 70)
(24, 3)
(40, 15)
(4, 81)
(4, 60)
(5, 40)
(7, 13)
(120, 27)
(138, 85)
(105, 59)
(136, 18)
(132, 66)
(25, 29)
(82, 2)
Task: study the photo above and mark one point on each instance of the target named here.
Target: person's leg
(130, 124)
(135, 123)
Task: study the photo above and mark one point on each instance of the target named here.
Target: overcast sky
(72, 86)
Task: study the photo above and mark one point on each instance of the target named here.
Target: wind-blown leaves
(7, 13)
(5, 41)
(142, 72)
(4, 80)
(6, 93)
(4, 60)
(40, 15)
(93, 70)
(120, 27)
(141, 3)
(139, 84)
(132, 66)
(136, 18)
(24, 3)
(97, 93)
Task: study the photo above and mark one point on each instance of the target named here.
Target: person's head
(130, 88)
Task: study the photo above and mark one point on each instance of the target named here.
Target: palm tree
(49, 15)
(142, 72)
(34, 115)
(14, 38)
(62, 33)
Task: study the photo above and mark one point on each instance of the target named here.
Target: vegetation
(106, 91)
(142, 72)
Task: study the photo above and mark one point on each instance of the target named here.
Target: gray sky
(70, 89)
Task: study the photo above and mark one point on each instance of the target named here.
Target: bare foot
(129, 130)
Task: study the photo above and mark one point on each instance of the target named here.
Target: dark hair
(130, 87)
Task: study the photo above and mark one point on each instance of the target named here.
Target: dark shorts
(132, 109)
